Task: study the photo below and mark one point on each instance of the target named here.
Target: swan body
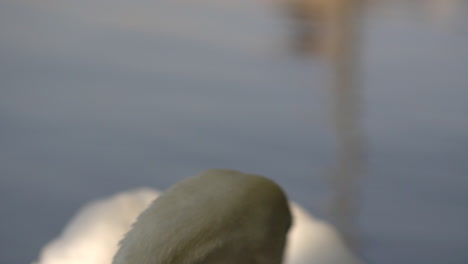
(92, 236)
(248, 230)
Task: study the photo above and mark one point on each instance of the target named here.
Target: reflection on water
(101, 96)
(444, 10)
(309, 22)
(331, 28)
(336, 26)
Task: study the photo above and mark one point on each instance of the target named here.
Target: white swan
(92, 236)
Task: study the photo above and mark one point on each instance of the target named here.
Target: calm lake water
(101, 96)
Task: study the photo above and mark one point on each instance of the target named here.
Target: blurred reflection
(311, 20)
(443, 10)
(331, 28)
(308, 19)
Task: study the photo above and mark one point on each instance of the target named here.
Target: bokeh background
(101, 96)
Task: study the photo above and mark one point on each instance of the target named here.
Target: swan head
(218, 216)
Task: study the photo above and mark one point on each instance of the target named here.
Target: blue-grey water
(101, 96)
